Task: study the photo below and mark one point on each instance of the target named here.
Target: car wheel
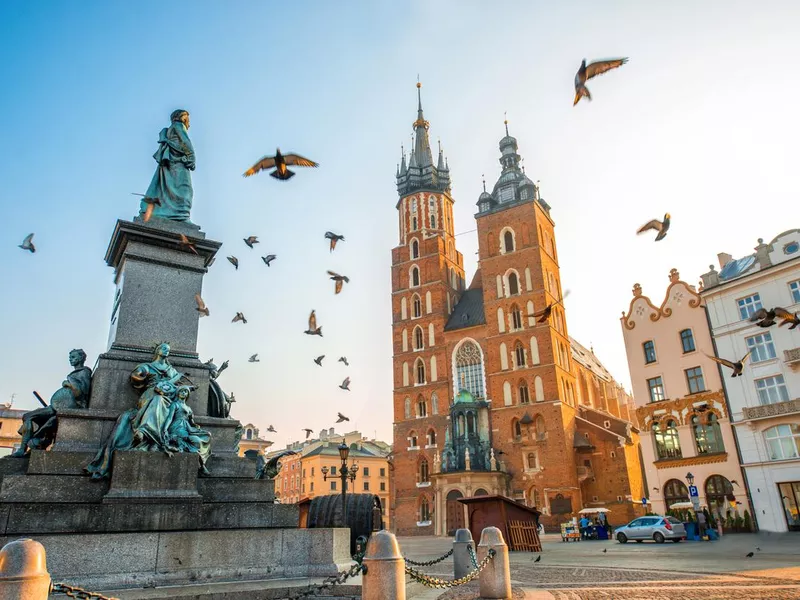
(677, 540)
(658, 537)
(622, 538)
(639, 541)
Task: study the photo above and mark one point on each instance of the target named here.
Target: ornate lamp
(344, 451)
(690, 478)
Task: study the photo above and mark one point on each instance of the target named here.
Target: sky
(700, 123)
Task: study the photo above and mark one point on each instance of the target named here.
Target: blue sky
(701, 123)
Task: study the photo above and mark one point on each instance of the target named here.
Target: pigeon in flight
(254, 358)
(342, 418)
(594, 69)
(737, 367)
(272, 429)
(269, 258)
(250, 241)
(343, 359)
(308, 432)
(340, 281)
(312, 325)
(279, 162)
(660, 226)
(333, 237)
(605, 550)
(239, 317)
(749, 555)
(318, 360)
(346, 384)
(201, 306)
(234, 261)
(27, 244)
(151, 205)
(764, 318)
(186, 243)
(787, 318)
(545, 313)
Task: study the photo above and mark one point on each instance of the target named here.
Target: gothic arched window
(422, 407)
(516, 318)
(519, 354)
(516, 429)
(424, 510)
(416, 307)
(508, 241)
(513, 284)
(419, 338)
(469, 369)
(424, 476)
(414, 249)
(524, 394)
(420, 372)
(431, 438)
(414, 276)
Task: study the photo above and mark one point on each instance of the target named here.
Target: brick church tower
(484, 394)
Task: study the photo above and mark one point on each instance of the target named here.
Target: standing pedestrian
(701, 523)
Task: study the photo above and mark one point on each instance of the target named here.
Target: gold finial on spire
(484, 181)
(419, 85)
(505, 120)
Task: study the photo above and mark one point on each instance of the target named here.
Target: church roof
(468, 312)
(588, 359)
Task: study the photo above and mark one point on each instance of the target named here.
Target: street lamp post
(345, 473)
(690, 478)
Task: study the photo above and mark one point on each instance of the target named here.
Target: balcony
(772, 410)
(792, 357)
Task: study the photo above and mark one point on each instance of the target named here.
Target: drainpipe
(730, 416)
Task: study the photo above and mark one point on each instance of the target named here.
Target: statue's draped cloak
(77, 396)
(172, 181)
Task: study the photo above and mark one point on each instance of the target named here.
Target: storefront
(790, 495)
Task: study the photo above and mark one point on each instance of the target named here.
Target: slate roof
(468, 312)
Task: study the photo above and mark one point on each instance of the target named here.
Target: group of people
(589, 527)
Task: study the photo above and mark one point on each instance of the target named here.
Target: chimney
(330, 431)
(724, 258)
(710, 279)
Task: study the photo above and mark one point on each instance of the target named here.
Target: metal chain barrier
(472, 557)
(338, 579)
(435, 582)
(429, 563)
(76, 592)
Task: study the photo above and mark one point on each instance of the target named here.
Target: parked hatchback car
(653, 528)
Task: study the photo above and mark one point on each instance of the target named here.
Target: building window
(431, 438)
(412, 440)
(333, 470)
(365, 471)
(694, 379)
(508, 241)
(771, 390)
(469, 369)
(675, 491)
(366, 486)
(783, 441)
(424, 476)
(748, 306)
(420, 372)
(707, 436)
(312, 486)
(383, 472)
(649, 352)
(516, 318)
(422, 408)
(418, 338)
(434, 404)
(513, 284)
(433, 221)
(414, 225)
(519, 354)
(794, 288)
(667, 443)
(761, 347)
(416, 306)
(687, 341)
(383, 486)
(249, 434)
(414, 276)
(524, 395)
(424, 511)
(531, 460)
(414, 249)
(718, 490)
(333, 485)
(407, 409)
(516, 430)
(656, 387)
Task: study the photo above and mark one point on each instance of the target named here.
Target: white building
(765, 400)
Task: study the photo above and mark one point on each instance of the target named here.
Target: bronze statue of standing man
(170, 193)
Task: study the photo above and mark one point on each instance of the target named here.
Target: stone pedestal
(153, 476)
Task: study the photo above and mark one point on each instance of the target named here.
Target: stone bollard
(385, 576)
(462, 563)
(23, 571)
(495, 579)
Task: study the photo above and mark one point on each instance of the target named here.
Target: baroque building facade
(681, 402)
(485, 396)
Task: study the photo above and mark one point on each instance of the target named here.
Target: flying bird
(318, 360)
(234, 261)
(187, 244)
(201, 306)
(340, 281)
(655, 488)
(343, 359)
(151, 205)
(605, 550)
(586, 72)
(239, 317)
(253, 358)
(269, 258)
(787, 318)
(660, 226)
(757, 548)
(250, 241)
(749, 555)
(272, 429)
(27, 243)
(269, 469)
(280, 162)
(737, 367)
(545, 313)
(342, 418)
(308, 432)
(312, 325)
(538, 558)
(346, 384)
(333, 237)
(763, 317)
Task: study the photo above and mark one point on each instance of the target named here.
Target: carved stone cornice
(663, 310)
(682, 409)
(702, 459)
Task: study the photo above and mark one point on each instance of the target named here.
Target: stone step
(236, 490)
(51, 489)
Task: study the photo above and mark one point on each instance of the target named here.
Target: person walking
(701, 523)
